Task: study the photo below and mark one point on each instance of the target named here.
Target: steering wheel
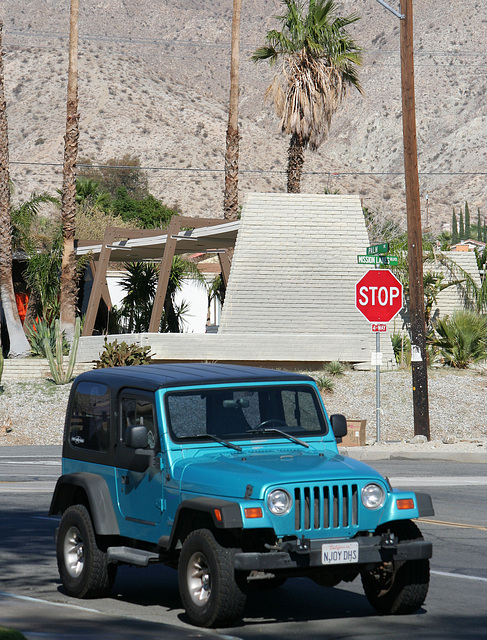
(275, 421)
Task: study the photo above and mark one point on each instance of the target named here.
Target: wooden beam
(225, 264)
(177, 222)
(164, 274)
(99, 282)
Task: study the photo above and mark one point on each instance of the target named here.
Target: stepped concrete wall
(27, 369)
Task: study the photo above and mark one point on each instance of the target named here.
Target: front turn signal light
(253, 512)
(405, 503)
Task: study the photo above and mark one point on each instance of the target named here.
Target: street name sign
(377, 248)
(390, 261)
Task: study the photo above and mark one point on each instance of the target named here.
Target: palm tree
(318, 63)
(19, 345)
(141, 285)
(89, 192)
(230, 203)
(68, 202)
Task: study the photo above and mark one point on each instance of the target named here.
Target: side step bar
(139, 557)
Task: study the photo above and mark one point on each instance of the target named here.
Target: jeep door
(138, 472)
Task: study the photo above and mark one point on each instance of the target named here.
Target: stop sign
(378, 295)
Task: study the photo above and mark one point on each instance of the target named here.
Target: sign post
(378, 296)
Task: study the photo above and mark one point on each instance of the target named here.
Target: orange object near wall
(22, 300)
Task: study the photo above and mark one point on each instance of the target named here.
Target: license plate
(339, 553)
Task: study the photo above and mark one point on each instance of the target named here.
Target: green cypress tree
(454, 228)
(479, 226)
(467, 221)
(461, 231)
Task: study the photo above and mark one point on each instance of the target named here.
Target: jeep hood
(227, 475)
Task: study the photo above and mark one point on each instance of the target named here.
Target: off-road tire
(83, 567)
(406, 592)
(213, 595)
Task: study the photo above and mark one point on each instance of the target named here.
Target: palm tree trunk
(230, 203)
(19, 346)
(295, 161)
(68, 203)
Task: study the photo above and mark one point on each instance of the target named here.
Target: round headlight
(373, 496)
(279, 502)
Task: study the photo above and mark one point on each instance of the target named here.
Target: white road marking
(41, 486)
(20, 462)
(66, 605)
(438, 481)
(458, 575)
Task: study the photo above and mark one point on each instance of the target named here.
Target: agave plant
(461, 339)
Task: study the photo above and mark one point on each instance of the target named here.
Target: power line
(336, 174)
(216, 45)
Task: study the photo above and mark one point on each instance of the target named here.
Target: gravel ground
(33, 413)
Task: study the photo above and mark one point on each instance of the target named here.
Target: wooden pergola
(183, 235)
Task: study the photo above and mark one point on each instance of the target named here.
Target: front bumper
(304, 554)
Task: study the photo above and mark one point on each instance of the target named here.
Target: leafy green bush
(461, 339)
(122, 355)
(38, 333)
(10, 634)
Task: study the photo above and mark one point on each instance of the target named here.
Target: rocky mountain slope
(153, 82)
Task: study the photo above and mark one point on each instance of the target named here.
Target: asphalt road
(145, 603)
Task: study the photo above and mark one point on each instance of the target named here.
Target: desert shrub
(122, 355)
(36, 335)
(461, 339)
(401, 345)
(324, 383)
(335, 368)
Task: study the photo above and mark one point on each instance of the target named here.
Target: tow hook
(388, 541)
(302, 545)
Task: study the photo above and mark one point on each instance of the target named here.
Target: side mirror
(339, 425)
(136, 437)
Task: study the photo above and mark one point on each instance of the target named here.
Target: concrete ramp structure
(291, 290)
(290, 298)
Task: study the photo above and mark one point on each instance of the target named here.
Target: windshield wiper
(225, 443)
(282, 433)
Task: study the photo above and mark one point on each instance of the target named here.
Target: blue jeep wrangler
(230, 474)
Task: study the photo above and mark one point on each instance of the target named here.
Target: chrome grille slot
(325, 507)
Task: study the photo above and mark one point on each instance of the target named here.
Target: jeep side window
(89, 424)
(140, 412)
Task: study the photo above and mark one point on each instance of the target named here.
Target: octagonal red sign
(378, 295)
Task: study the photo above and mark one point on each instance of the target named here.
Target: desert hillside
(153, 82)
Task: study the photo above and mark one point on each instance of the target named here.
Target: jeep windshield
(245, 413)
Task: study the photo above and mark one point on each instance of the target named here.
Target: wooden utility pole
(415, 241)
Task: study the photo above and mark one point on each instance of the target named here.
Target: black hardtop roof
(156, 376)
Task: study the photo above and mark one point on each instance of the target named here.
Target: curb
(468, 457)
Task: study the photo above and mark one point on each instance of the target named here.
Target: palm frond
(319, 61)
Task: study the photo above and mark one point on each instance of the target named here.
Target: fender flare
(98, 495)
(424, 504)
(230, 516)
